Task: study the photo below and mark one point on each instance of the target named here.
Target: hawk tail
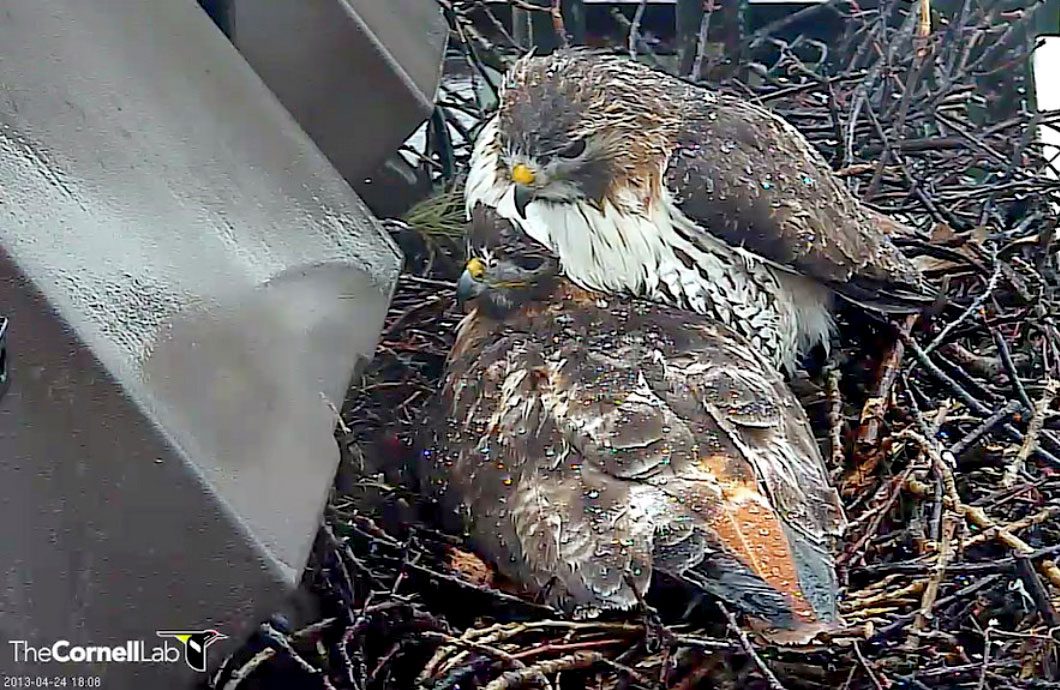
(886, 297)
(745, 555)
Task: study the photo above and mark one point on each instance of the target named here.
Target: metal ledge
(358, 75)
(189, 283)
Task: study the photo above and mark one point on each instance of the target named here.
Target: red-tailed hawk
(587, 445)
(644, 184)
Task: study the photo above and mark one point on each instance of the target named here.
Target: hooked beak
(467, 288)
(523, 197)
(523, 177)
(470, 284)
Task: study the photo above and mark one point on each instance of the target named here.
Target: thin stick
(974, 514)
(1034, 433)
(634, 29)
(945, 554)
(745, 643)
(240, 674)
(973, 308)
(701, 41)
(988, 425)
(1042, 516)
(835, 421)
(866, 445)
(558, 25)
(520, 677)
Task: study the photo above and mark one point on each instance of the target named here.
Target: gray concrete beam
(189, 285)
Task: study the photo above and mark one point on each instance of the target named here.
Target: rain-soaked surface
(196, 241)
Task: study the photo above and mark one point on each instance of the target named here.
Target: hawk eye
(528, 262)
(573, 150)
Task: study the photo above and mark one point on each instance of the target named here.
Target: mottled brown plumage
(753, 180)
(586, 445)
(645, 184)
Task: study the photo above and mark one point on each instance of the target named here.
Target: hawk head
(507, 268)
(500, 284)
(572, 127)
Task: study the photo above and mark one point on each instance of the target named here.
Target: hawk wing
(588, 447)
(723, 459)
(748, 177)
(497, 460)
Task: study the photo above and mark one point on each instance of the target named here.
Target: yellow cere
(476, 267)
(522, 174)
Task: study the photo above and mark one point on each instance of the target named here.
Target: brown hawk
(645, 184)
(588, 444)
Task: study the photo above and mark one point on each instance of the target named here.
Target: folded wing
(591, 448)
(749, 178)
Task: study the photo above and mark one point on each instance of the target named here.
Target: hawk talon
(657, 635)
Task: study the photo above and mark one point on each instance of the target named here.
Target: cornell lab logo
(195, 644)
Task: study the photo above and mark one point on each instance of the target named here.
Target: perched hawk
(646, 184)
(587, 445)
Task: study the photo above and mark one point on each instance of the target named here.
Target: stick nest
(942, 433)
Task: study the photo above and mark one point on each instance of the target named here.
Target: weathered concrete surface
(333, 64)
(189, 283)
